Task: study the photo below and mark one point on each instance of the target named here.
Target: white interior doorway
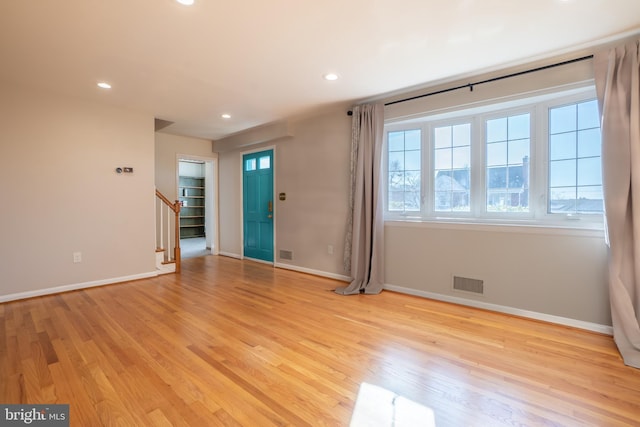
(197, 184)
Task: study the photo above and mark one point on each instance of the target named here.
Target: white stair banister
(175, 208)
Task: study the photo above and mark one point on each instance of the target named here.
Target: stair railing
(168, 214)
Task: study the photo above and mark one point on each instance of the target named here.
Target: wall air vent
(465, 284)
(286, 255)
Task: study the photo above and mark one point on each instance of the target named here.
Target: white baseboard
(314, 272)
(565, 321)
(261, 261)
(73, 287)
(291, 267)
(230, 255)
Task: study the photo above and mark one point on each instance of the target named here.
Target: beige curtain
(364, 246)
(617, 73)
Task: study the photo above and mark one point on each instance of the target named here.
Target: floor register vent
(475, 286)
(286, 255)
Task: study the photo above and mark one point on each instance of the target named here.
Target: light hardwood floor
(232, 342)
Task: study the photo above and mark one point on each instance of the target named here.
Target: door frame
(212, 210)
(275, 217)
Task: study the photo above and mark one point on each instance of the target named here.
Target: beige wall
(195, 170)
(167, 149)
(230, 203)
(312, 169)
(543, 270)
(61, 194)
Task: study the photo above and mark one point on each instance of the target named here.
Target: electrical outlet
(330, 249)
(77, 257)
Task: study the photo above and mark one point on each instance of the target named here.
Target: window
(507, 163)
(250, 165)
(255, 164)
(265, 162)
(452, 166)
(529, 160)
(404, 166)
(575, 174)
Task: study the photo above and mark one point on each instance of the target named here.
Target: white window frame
(482, 207)
(386, 171)
(537, 105)
(430, 196)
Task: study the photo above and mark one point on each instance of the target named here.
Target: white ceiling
(263, 60)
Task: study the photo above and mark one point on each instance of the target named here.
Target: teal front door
(257, 182)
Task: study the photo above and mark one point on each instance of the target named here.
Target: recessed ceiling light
(185, 2)
(104, 85)
(226, 116)
(330, 76)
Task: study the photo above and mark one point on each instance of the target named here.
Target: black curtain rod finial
(349, 113)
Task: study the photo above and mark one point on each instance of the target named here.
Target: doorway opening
(198, 193)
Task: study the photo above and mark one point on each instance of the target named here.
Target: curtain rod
(471, 85)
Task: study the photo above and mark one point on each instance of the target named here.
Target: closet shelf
(191, 190)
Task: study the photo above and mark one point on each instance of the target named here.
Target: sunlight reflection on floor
(379, 407)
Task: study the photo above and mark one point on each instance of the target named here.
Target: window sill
(589, 229)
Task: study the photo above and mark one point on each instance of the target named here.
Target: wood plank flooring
(232, 342)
